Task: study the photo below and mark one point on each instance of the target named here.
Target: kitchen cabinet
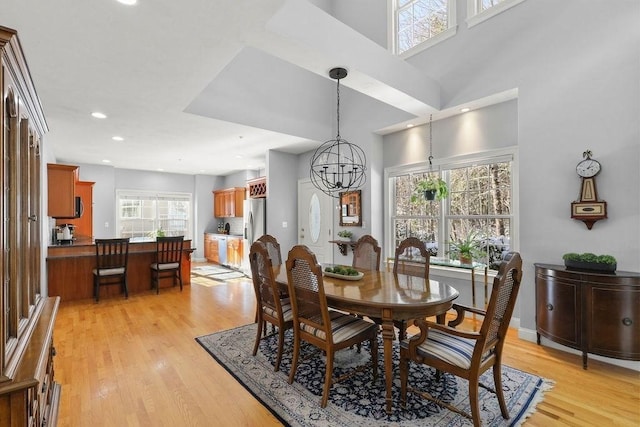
(84, 224)
(592, 312)
(29, 395)
(228, 203)
(234, 251)
(62, 190)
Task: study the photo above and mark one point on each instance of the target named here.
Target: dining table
(388, 297)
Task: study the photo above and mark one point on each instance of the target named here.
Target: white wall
(576, 71)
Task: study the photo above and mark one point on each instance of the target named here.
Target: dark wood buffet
(69, 269)
(593, 312)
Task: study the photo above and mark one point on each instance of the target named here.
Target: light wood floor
(135, 363)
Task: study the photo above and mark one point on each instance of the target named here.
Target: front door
(315, 221)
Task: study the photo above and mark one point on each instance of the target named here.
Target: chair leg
(259, 332)
(96, 287)
(497, 381)
(280, 348)
(473, 400)
(327, 379)
(374, 354)
(179, 274)
(296, 354)
(404, 374)
(125, 285)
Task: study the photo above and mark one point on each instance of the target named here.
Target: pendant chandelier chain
(430, 142)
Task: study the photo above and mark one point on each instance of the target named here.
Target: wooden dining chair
(411, 259)
(366, 253)
(467, 354)
(112, 256)
(314, 323)
(273, 247)
(270, 306)
(168, 261)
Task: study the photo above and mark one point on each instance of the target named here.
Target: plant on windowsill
(345, 235)
(466, 248)
(589, 261)
(430, 189)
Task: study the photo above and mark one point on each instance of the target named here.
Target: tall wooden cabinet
(592, 312)
(29, 395)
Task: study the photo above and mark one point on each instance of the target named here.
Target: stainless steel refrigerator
(255, 223)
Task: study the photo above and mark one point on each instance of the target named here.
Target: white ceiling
(202, 86)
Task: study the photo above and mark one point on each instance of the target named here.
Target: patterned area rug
(217, 273)
(360, 401)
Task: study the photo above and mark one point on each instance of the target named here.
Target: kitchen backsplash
(236, 225)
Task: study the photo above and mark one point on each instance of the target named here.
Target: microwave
(79, 209)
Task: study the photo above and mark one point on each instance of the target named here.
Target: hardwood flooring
(135, 362)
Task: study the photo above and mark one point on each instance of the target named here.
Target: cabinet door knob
(549, 307)
(627, 322)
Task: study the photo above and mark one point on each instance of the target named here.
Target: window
(150, 214)
(479, 205)
(419, 21)
(481, 10)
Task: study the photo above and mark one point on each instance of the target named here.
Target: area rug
(360, 400)
(218, 273)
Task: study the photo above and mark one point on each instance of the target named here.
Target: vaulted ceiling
(204, 87)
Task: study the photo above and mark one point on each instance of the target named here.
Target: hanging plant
(430, 189)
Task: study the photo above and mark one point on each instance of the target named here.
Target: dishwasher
(222, 249)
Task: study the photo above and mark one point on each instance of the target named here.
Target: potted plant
(345, 235)
(589, 261)
(466, 248)
(431, 189)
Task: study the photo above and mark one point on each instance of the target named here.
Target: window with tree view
(477, 211)
(419, 20)
(151, 214)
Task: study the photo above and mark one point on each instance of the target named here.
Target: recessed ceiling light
(128, 2)
(160, 170)
(106, 161)
(465, 109)
(99, 115)
(117, 138)
(410, 125)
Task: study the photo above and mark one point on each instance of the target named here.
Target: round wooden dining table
(387, 297)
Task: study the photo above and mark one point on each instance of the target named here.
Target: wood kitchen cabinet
(62, 190)
(592, 312)
(84, 224)
(211, 248)
(29, 395)
(228, 203)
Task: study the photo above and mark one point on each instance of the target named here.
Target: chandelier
(337, 165)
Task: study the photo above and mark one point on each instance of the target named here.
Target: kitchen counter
(69, 269)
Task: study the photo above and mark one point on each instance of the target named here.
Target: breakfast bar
(69, 269)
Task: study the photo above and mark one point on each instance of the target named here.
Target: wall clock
(588, 208)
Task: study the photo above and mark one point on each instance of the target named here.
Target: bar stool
(168, 261)
(111, 265)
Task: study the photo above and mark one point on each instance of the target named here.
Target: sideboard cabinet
(592, 312)
(29, 395)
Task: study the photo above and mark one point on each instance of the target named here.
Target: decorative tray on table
(342, 272)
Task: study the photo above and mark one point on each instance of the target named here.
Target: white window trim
(446, 34)
(475, 17)
(490, 155)
(147, 193)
